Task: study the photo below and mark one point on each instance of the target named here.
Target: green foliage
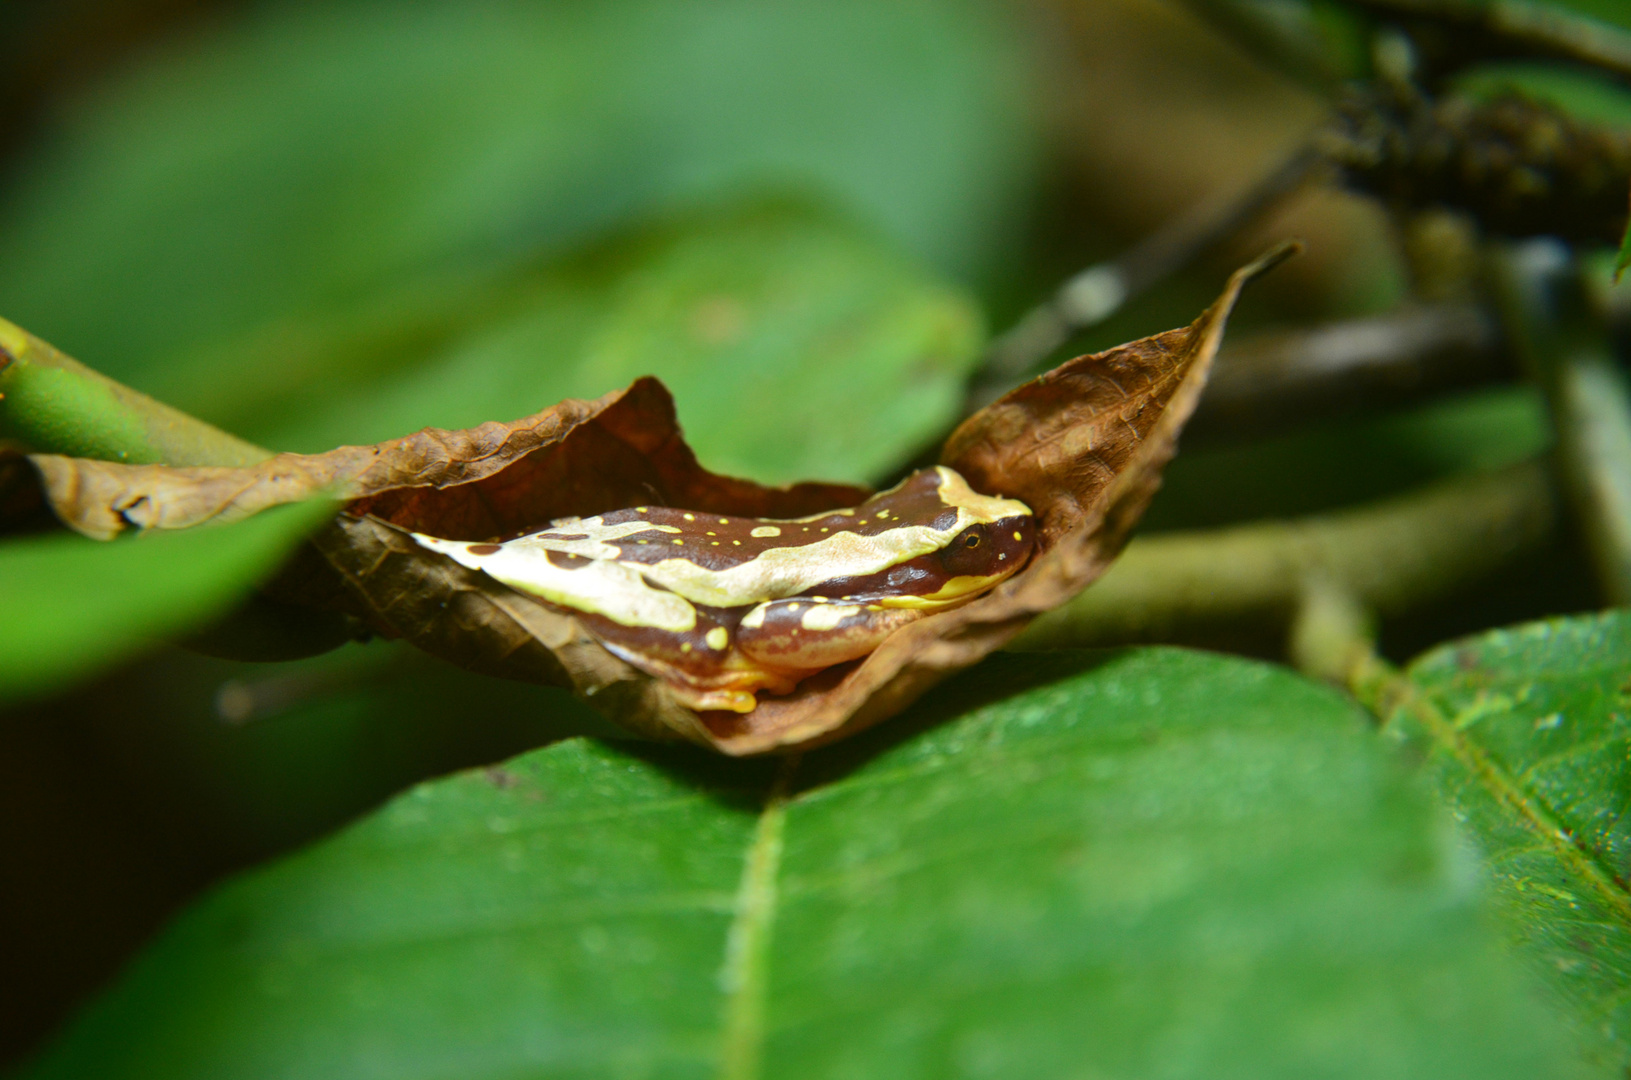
(298, 159)
(1609, 11)
(73, 605)
(795, 345)
(1346, 461)
(1149, 863)
(1321, 42)
(1588, 97)
(1527, 733)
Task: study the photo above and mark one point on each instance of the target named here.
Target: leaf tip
(1270, 259)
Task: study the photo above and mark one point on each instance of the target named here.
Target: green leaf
(293, 158)
(796, 346)
(1590, 97)
(1609, 11)
(69, 605)
(1527, 733)
(1150, 863)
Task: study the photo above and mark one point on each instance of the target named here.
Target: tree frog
(722, 607)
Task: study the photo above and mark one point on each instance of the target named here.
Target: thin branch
(51, 403)
(1391, 556)
(1526, 27)
(1099, 291)
(1288, 377)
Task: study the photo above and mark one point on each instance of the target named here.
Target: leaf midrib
(742, 975)
(1530, 810)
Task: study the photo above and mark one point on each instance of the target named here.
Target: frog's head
(984, 554)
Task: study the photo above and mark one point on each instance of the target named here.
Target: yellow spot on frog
(690, 517)
(724, 521)
(882, 514)
(738, 543)
(1018, 535)
(873, 607)
(715, 543)
(830, 617)
(766, 530)
(642, 541)
(792, 607)
(686, 647)
(717, 638)
(712, 533)
(639, 509)
(679, 543)
(823, 528)
(846, 513)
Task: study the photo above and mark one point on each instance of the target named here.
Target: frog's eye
(971, 541)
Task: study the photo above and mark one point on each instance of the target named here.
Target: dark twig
(1276, 379)
(1391, 557)
(1486, 29)
(1099, 291)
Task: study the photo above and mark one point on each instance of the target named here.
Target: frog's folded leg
(817, 633)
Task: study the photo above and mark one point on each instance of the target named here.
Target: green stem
(51, 403)
(1390, 556)
(1565, 346)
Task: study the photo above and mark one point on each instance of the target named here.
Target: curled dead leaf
(1083, 446)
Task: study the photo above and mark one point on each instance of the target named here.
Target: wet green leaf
(69, 605)
(796, 346)
(1149, 863)
(288, 161)
(1527, 733)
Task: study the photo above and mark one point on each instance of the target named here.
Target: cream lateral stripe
(788, 571)
(601, 587)
(595, 547)
(954, 491)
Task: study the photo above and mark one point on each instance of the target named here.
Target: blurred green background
(317, 223)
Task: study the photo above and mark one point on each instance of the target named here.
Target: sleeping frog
(722, 607)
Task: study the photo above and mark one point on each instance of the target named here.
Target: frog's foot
(813, 632)
(733, 687)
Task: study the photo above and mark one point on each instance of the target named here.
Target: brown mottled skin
(835, 602)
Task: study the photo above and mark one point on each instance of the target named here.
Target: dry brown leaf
(1084, 446)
